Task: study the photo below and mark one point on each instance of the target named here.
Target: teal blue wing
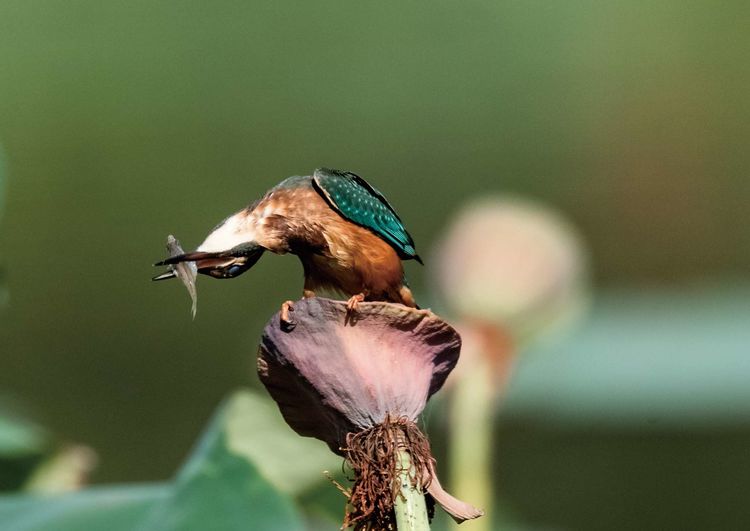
(356, 200)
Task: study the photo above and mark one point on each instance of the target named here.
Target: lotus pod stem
(410, 507)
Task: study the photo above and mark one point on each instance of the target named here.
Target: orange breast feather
(358, 261)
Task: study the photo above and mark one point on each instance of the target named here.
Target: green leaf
(645, 361)
(34, 460)
(23, 446)
(18, 436)
(293, 464)
(255, 429)
(219, 489)
(110, 508)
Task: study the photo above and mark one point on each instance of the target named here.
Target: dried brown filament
(372, 457)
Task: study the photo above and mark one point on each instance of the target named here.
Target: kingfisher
(347, 236)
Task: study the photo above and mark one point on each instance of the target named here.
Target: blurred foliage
(659, 358)
(68, 469)
(255, 429)
(640, 420)
(219, 488)
(99, 508)
(3, 177)
(23, 446)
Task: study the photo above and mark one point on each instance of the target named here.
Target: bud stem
(471, 438)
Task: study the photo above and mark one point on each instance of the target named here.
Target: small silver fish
(185, 271)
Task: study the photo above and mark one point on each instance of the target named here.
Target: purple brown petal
(358, 382)
(331, 376)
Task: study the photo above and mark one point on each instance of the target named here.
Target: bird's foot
(286, 321)
(352, 305)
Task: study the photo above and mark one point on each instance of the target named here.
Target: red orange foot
(352, 305)
(284, 316)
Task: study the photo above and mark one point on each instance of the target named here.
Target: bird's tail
(219, 264)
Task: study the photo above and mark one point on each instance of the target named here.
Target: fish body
(185, 271)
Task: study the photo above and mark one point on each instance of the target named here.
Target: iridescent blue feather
(356, 200)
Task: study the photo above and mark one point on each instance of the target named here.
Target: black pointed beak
(222, 264)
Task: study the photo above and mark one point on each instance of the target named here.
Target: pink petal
(331, 377)
(459, 510)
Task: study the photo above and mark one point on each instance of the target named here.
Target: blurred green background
(122, 122)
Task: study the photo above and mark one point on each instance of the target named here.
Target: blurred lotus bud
(510, 270)
(360, 385)
(513, 263)
(68, 470)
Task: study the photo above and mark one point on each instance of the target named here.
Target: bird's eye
(234, 270)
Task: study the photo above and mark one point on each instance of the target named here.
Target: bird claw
(352, 305)
(287, 323)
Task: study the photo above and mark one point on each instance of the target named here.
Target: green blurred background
(122, 122)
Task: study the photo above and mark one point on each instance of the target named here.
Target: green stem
(410, 507)
(471, 439)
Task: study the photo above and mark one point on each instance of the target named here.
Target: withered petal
(459, 510)
(332, 374)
